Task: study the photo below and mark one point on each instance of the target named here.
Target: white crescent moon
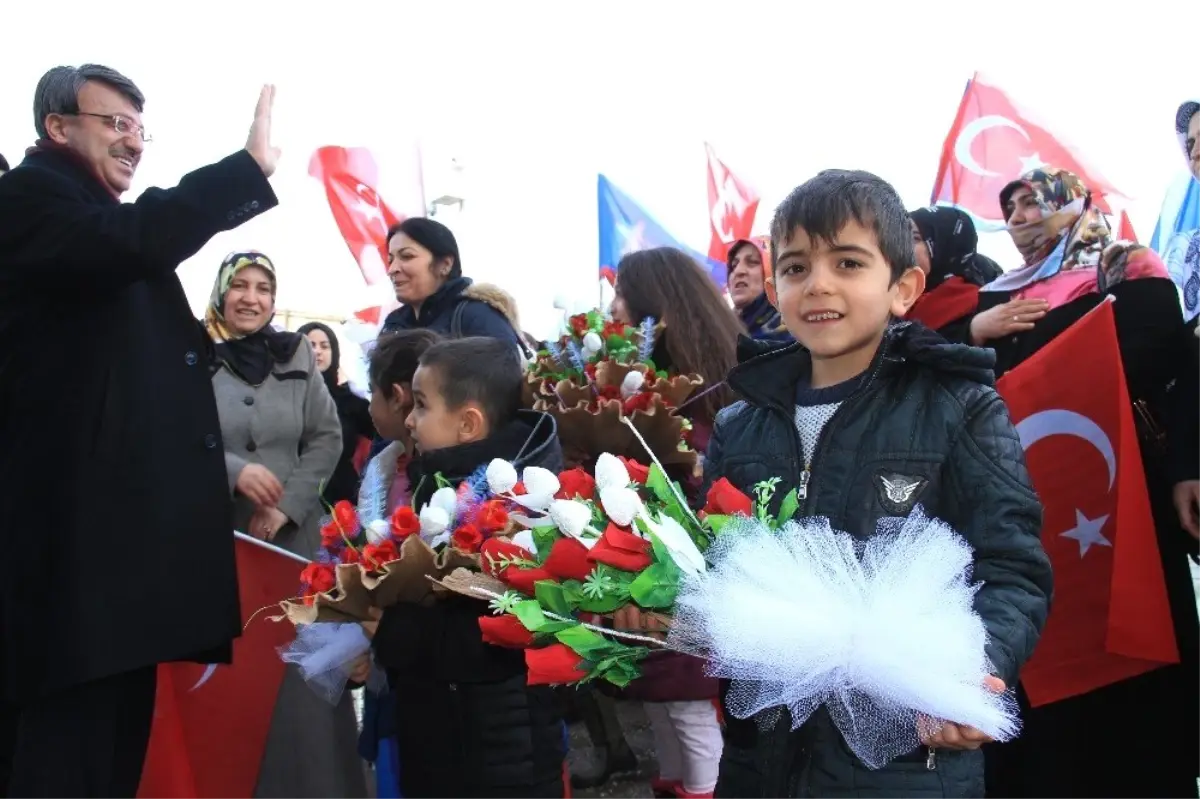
(962, 145)
(1044, 424)
(208, 673)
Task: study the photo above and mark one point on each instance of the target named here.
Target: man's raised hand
(258, 143)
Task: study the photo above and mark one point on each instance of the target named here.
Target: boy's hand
(947, 735)
(631, 619)
(360, 668)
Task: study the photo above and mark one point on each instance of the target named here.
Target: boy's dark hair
(395, 357)
(824, 204)
(485, 371)
(3, 164)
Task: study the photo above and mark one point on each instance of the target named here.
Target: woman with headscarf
(945, 242)
(353, 412)
(282, 440)
(1085, 745)
(749, 264)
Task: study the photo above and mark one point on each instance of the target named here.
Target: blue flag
(1177, 239)
(625, 227)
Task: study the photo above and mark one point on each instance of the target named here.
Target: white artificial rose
(621, 505)
(572, 519)
(378, 531)
(610, 472)
(434, 521)
(501, 476)
(632, 384)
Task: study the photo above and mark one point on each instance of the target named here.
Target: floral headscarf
(250, 356)
(1072, 232)
(1183, 118)
(235, 262)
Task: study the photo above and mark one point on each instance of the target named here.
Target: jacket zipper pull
(931, 759)
(802, 488)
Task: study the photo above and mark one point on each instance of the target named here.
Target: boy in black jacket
(467, 724)
(866, 418)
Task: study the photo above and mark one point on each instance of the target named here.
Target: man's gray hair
(58, 91)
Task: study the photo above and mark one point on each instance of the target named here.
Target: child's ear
(401, 395)
(472, 423)
(908, 289)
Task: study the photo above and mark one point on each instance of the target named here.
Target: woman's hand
(257, 484)
(1014, 316)
(359, 669)
(267, 522)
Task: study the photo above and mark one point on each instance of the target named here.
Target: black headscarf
(950, 236)
(335, 353)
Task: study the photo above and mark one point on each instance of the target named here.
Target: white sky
(535, 98)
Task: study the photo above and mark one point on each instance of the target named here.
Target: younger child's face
(836, 297)
(389, 408)
(432, 423)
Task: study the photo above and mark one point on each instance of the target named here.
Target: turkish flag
(351, 178)
(732, 205)
(991, 143)
(1125, 229)
(1109, 619)
(210, 722)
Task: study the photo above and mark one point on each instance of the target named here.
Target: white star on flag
(632, 237)
(1087, 532)
(1031, 162)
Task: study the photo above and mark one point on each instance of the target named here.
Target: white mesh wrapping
(881, 631)
(323, 651)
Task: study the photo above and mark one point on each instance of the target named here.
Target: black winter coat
(927, 412)
(467, 724)
(475, 317)
(113, 496)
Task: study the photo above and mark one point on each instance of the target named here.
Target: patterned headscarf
(214, 315)
(1183, 118)
(951, 239)
(1071, 233)
(250, 356)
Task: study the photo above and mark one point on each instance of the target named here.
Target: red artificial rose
(467, 538)
(505, 630)
(345, 517)
(637, 472)
(579, 324)
(350, 555)
(576, 484)
(405, 522)
(643, 401)
(331, 537)
(494, 550)
(614, 329)
(317, 578)
(621, 549)
(589, 369)
(568, 560)
(726, 500)
(556, 664)
(523, 580)
(492, 517)
(375, 555)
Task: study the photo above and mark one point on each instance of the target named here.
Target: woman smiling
(282, 440)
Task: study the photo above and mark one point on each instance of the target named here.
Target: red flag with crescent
(1110, 619)
(210, 722)
(732, 204)
(352, 186)
(993, 142)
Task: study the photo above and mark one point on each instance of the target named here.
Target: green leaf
(587, 644)
(530, 614)
(789, 506)
(595, 320)
(554, 627)
(442, 482)
(543, 539)
(551, 597)
(604, 604)
(716, 522)
(657, 482)
(656, 586)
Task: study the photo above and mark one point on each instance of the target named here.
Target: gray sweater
(290, 425)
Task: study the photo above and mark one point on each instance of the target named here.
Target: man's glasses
(123, 125)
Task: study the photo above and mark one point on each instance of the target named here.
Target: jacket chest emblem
(898, 492)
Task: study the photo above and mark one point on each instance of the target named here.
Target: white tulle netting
(324, 651)
(881, 632)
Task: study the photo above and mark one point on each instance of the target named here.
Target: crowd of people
(862, 337)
